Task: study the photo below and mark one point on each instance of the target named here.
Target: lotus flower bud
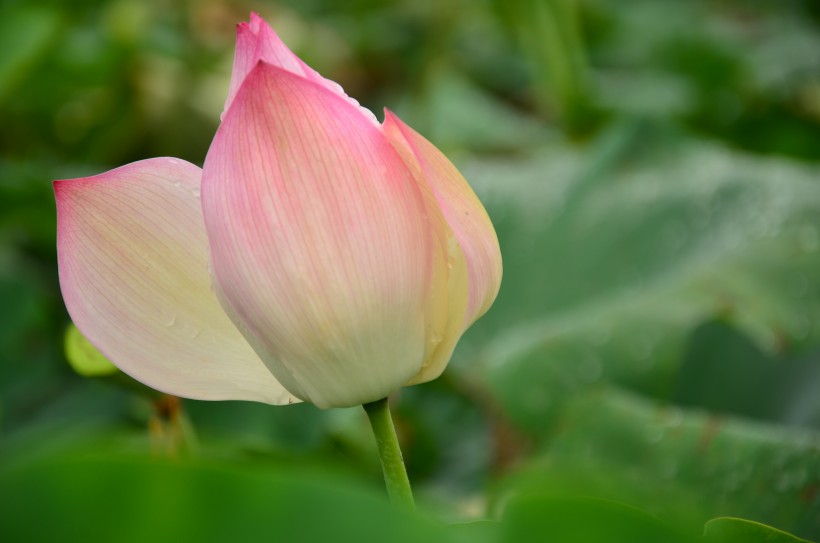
(317, 256)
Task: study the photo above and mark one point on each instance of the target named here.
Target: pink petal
(319, 240)
(255, 41)
(133, 262)
(461, 209)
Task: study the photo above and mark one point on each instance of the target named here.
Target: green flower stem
(395, 476)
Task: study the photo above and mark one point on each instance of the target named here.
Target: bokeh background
(653, 171)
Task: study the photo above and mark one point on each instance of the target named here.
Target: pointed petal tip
(59, 186)
(63, 190)
(389, 115)
(64, 187)
(400, 131)
(252, 25)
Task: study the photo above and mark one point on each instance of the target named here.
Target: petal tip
(389, 118)
(61, 189)
(64, 188)
(251, 26)
(392, 123)
(59, 185)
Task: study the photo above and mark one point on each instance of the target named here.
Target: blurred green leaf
(725, 372)
(22, 309)
(25, 35)
(457, 114)
(133, 499)
(551, 38)
(735, 530)
(612, 257)
(481, 531)
(684, 466)
(298, 429)
(581, 520)
(449, 437)
(743, 72)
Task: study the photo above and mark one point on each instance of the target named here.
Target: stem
(395, 476)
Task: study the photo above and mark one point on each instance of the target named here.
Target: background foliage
(652, 171)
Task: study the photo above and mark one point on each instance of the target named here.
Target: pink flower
(317, 256)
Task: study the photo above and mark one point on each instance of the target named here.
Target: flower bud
(347, 257)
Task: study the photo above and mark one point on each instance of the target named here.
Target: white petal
(133, 260)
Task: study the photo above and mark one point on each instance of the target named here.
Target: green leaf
(724, 371)
(684, 466)
(480, 531)
(25, 35)
(735, 530)
(534, 517)
(456, 113)
(613, 257)
(136, 500)
(688, 60)
(84, 357)
(656, 263)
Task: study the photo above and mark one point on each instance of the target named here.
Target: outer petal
(319, 240)
(255, 41)
(462, 210)
(133, 266)
(480, 261)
